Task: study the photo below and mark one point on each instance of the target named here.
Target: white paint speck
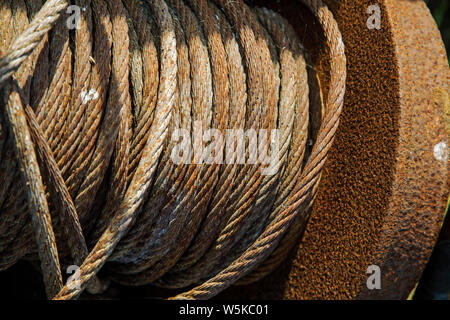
(88, 96)
(441, 151)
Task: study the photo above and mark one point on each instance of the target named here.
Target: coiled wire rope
(87, 175)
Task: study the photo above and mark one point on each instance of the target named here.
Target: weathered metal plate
(384, 190)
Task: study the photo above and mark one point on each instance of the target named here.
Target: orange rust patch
(375, 205)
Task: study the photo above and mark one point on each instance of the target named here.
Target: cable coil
(121, 133)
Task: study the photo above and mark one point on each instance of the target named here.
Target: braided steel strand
(40, 216)
(157, 221)
(125, 214)
(25, 44)
(268, 240)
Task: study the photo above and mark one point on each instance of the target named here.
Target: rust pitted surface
(338, 243)
(420, 189)
(382, 194)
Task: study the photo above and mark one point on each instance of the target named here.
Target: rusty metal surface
(384, 191)
(416, 210)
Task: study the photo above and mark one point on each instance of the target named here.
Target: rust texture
(419, 195)
(383, 193)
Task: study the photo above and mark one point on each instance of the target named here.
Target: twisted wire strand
(19, 234)
(24, 45)
(238, 98)
(90, 114)
(299, 135)
(40, 216)
(264, 245)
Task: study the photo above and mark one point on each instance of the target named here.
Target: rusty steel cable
(87, 140)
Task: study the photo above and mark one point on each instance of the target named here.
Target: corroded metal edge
(420, 189)
(383, 192)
